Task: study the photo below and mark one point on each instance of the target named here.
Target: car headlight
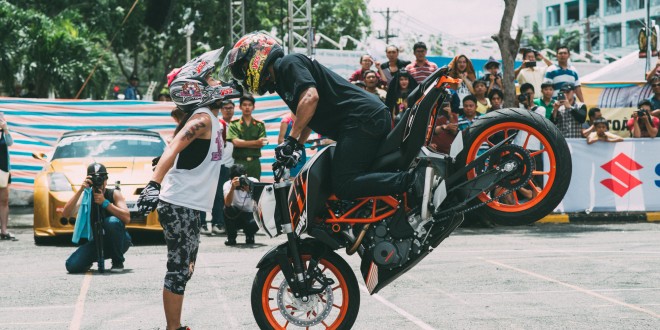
(58, 182)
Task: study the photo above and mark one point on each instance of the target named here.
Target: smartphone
(530, 64)
(561, 96)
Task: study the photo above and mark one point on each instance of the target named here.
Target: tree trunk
(508, 49)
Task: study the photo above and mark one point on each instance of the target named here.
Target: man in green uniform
(248, 136)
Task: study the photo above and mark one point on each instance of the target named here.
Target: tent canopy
(628, 69)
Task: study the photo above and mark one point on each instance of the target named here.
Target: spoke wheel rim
(335, 298)
(548, 174)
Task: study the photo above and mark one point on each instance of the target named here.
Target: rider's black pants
(357, 144)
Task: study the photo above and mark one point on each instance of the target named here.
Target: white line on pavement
(421, 324)
(31, 308)
(233, 322)
(80, 304)
(574, 287)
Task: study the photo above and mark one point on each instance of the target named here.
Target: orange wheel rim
(273, 312)
(549, 174)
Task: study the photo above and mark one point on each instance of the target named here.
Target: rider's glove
(289, 152)
(148, 199)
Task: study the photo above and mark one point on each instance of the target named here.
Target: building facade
(610, 26)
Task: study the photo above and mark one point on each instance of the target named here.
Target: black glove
(148, 199)
(289, 152)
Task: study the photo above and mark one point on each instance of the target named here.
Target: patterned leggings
(181, 228)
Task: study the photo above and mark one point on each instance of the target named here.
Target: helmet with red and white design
(189, 87)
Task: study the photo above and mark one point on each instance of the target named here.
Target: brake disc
(318, 306)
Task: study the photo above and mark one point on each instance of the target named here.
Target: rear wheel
(543, 179)
(275, 307)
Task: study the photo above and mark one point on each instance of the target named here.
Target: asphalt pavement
(544, 276)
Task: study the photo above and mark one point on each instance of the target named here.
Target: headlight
(58, 182)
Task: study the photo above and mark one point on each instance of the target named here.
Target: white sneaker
(204, 230)
(218, 230)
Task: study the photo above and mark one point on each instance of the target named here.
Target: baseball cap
(96, 168)
(567, 87)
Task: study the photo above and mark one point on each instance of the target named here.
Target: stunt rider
(326, 103)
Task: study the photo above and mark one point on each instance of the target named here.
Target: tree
(568, 39)
(508, 48)
(536, 39)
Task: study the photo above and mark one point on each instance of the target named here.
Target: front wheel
(275, 307)
(542, 178)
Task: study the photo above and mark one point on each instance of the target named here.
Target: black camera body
(561, 96)
(522, 98)
(244, 181)
(641, 113)
(530, 64)
(97, 181)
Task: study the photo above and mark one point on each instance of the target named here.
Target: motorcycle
(511, 166)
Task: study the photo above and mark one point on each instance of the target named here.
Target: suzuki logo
(620, 168)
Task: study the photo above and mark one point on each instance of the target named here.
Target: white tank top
(195, 188)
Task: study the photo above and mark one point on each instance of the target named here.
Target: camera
(97, 181)
(641, 113)
(561, 96)
(530, 64)
(522, 98)
(244, 181)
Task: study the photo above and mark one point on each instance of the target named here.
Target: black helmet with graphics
(248, 62)
(190, 89)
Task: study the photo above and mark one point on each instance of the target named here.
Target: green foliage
(536, 40)
(569, 39)
(56, 43)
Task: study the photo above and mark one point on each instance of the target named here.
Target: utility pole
(387, 16)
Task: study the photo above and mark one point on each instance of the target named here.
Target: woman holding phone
(5, 179)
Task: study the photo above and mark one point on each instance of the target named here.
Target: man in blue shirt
(562, 73)
(132, 93)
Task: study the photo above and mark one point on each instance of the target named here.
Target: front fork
(299, 281)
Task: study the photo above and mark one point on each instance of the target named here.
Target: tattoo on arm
(192, 130)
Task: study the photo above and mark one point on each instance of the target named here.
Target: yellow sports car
(126, 154)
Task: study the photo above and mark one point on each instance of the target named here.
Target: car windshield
(120, 145)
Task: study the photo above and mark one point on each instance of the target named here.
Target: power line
(387, 16)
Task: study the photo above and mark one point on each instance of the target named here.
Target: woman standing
(188, 169)
(397, 92)
(5, 179)
(461, 67)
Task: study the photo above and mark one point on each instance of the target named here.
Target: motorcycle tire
(270, 293)
(546, 188)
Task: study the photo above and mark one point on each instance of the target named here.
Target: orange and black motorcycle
(511, 166)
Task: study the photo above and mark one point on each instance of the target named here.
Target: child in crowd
(601, 133)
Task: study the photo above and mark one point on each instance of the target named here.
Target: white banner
(609, 177)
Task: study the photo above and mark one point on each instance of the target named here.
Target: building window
(613, 7)
(553, 15)
(592, 8)
(613, 36)
(572, 12)
(635, 5)
(526, 22)
(632, 32)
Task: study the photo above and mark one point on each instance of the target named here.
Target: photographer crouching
(238, 205)
(115, 216)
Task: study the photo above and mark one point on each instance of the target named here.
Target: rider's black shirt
(340, 102)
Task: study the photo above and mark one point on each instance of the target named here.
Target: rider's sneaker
(204, 230)
(230, 242)
(249, 240)
(117, 266)
(218, 230)
(185, 327)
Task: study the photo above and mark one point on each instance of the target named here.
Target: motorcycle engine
(390, 245)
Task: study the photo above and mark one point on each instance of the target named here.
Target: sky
(464, 20)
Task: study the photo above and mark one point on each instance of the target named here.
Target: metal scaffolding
(236, 19)
(300, 33)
